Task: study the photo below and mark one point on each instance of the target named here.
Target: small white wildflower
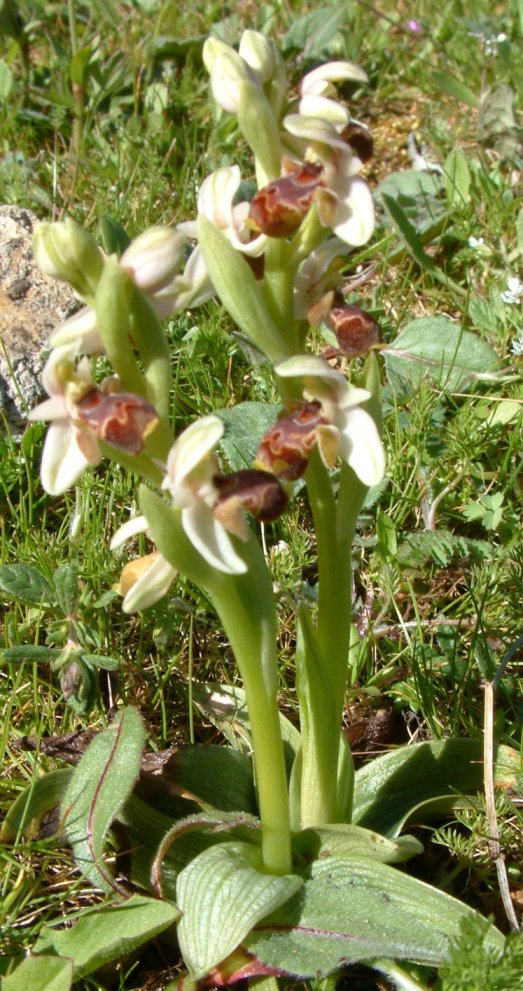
(517, 346)
(514, 292)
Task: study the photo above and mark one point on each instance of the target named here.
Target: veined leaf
(222, 894)
(25, 583)
(359, 910)
(438, 348)
(107, 932)
(413, 783)
(98, 789)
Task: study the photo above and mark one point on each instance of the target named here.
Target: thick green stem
(278, 281)
(334, 523)
(251, 630)
(245, 604)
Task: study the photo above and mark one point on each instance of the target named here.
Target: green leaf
(114, 237)
(6, 80)
(50, 973)
(313, 34)
(101, 661)
(457, 178)
(98, 789)
(417, 782)
(245, 425)
(437, 348)
(42, 795)
(358, 910)
(409, 235)
(108, 932)
(342, 840)
(30, 652)
(419, 196)
(239, 292)
(222, 894)
(24, 583)
(453, 87)
(217, 776)
(65, 580)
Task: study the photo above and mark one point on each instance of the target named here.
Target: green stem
(245, 605)
(251, 629)
(334, 524)
(278, 281)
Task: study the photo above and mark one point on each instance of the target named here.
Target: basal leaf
(25, 583)
(359, 910)
(108, 932)
(437, 348)
(348, 840)
(414, 783)
(98, 789)
(222, 894)
(457, 178)
(30, 652)
(217, 776)
(454, 88)
(49, 973)
(42, 795)
(312, 34)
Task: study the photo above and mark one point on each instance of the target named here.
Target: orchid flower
(316, 92)
(317, 274)
(344, 202)
(215, 202)
(144, 580)
(349, 431)
(191, 467)
(80, 331)
(70, 445)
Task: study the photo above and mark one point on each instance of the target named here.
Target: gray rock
(31, 306)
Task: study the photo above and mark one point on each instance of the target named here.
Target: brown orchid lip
(279, 208)
(120, 418)
(356, 331)
(252, 489)
(286, 447)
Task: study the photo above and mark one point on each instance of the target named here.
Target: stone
(31, 306)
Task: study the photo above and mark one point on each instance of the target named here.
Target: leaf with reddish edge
(101, 783)
(358, 910)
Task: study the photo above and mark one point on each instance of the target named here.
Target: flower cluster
(308, 153)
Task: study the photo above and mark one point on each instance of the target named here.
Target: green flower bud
(154, 258)
(259, 53)
(67, 252)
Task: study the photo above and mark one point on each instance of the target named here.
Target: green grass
(439, 616)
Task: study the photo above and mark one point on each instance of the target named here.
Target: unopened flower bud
(67, 252)
(120, 418)
(258, 52)
(229, 73)
(154, 258)
(279, 208)
(258, 492)
(286, 447)
(356, 331)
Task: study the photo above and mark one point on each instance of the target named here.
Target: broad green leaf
(99, 787)
(456, 89)
(348, 840)
(108, 932)
(25, 583)
(437, 348)
(49, 973)
(239, 292)
(245, 425)
(457, 178)
(419, 196)
(101, 661)
(313, 34)
(42, 795)
(414, 783)
(114, 237)
(65, 580)
(359, 910)
(217, 776)
(30, 652)
(222, 894)
(497, 126)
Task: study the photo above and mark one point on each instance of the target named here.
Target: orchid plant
(299, 883)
